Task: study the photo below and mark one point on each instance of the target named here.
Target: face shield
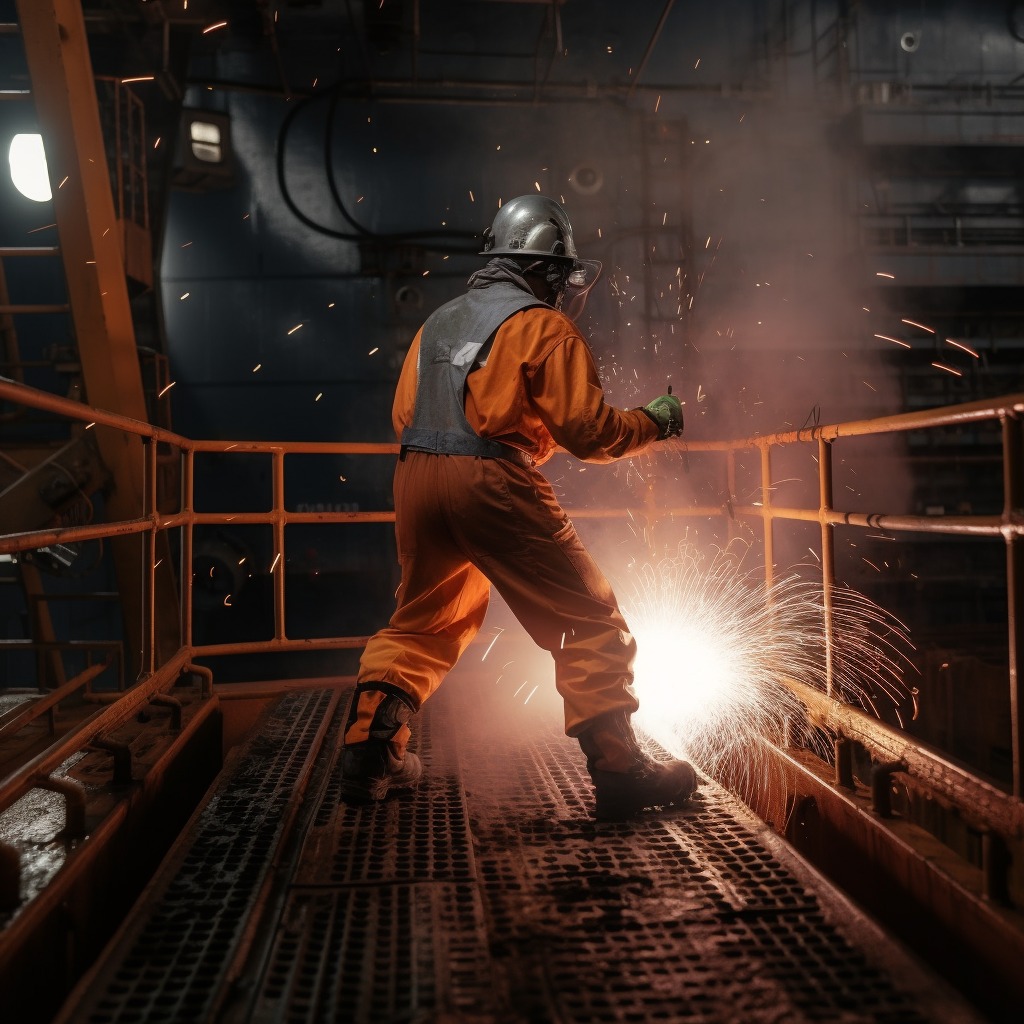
(580, 279)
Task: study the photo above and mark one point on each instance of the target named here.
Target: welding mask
(580, 279)
(537, 226)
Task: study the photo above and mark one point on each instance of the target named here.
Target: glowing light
(948, 369)
(963, 348)
(216, 25)
(28, 167)
(914, 323)
(715, 645)
(492, 643)
(885, 337)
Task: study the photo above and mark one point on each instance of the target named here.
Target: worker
(494, 381)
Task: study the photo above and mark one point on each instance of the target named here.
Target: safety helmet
(537, 226)
(530, 226)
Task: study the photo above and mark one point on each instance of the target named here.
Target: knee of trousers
(605, 644)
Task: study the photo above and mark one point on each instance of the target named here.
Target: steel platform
(486, 896)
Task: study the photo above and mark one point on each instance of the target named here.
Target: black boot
(625, 779)
(374, 759)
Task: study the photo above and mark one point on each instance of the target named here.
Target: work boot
(625, 779)
(374, 758)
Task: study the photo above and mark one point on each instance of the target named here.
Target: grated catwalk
(490, 895)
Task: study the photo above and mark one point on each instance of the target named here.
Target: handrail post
(730, 484)
(149, 448)
(828, 562)
(1013, 500)
(278, 568)
(185, 575)
(766, 514)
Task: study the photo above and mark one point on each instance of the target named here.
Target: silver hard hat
(530, 226)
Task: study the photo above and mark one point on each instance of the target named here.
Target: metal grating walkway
(488, 896)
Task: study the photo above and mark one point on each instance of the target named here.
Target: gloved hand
(667, 412)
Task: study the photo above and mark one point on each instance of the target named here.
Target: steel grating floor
(487, 896)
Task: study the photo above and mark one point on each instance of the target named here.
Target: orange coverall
(465, 522)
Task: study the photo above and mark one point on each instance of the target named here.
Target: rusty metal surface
(490, 895)
(171, 961)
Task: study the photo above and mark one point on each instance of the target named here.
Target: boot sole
(367, 791)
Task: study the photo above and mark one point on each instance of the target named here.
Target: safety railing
(981, 803)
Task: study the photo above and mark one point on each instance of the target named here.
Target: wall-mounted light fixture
(28, 167)
(204, 155)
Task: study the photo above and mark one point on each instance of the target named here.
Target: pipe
(650, 46)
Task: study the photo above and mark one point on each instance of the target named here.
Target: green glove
(667, 412)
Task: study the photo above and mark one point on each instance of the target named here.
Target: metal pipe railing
(1009, 525)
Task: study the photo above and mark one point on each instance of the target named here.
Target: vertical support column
(278, 572)
(730, 483)
(151, 565)
(57, 52)
(828, 562)
(1013, 502)
(188, 528)
(766, 512)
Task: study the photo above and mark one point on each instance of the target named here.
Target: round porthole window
(910, 41)
(586, 179)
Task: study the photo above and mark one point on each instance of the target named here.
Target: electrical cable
(359, 232)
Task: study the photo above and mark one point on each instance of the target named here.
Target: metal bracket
(122, 755)
(844, 763)
(10, 877)
(165, 700)
(881, 782)
(74, 802)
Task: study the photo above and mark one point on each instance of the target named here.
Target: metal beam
(60, 68)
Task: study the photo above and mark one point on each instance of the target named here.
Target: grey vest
(450, 346)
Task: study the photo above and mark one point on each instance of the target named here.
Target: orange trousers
(464, 523)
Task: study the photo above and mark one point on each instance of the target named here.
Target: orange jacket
(539, 390)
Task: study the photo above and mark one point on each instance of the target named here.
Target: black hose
(359, 232)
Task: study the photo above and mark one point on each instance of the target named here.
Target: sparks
(294, 329)
(914, 323)
(716, 645)
(896, 341)
(882, 273)
(948, 369)
(963, 348)
(216, 25)
(164, 391)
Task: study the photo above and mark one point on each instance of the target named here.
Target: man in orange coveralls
(493, 382)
